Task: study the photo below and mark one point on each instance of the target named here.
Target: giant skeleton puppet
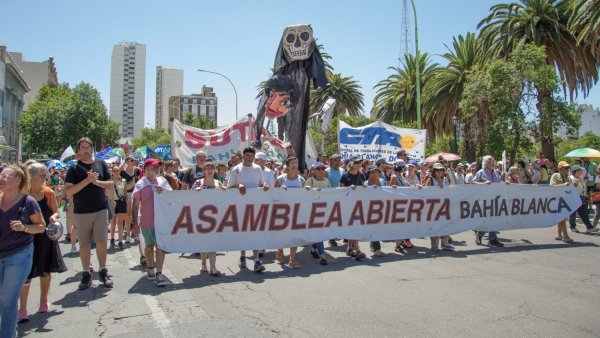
(287, 94)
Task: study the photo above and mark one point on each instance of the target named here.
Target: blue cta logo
(369, 136)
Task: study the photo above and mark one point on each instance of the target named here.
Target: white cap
(261, 156)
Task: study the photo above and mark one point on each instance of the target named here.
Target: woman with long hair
(20, 219)
(47, 257)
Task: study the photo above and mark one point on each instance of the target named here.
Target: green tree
(60, 116)
(588, 140)
(584, 22)
(396, 95)
(151, 138)
(443, 91)
(344, 90)
(544, 23)
(196, 121)
(510, 89)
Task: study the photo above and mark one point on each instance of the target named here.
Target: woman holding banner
(318, 181)
(438, 179)
(353, 178)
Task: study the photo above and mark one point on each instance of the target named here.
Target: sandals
(203, 269)
(215, 273)
(293, 264)
(378, 253)
(559, 238)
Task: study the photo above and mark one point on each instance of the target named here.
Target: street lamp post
(455, 126)
(234, 90)
(417, 66)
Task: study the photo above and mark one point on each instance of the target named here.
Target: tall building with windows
(203, 104)
(127, 88)
(169, 82)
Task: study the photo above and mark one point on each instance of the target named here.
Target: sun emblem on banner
(407, 141)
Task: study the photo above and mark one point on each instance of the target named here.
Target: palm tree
(584, 22)
(443, 91)
(544, 23)
(396, 95)
(344, 90)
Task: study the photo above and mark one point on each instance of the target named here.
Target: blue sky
(236, 38)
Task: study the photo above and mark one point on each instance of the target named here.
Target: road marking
(160, 318)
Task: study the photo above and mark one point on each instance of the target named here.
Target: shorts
(120, 206)
(149, 236)
(90, 226)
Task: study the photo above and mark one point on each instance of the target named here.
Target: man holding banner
(247, 175)
(194, 173)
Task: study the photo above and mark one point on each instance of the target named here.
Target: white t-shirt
(269, 177)
(469, 178)
(250, 177)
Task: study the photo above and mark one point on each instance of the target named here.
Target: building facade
(127, 88)
(36, 74)
(590, 120)
(13, 88)
(169, 82)
(203, 104)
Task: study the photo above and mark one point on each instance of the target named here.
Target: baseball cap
(575, 168)
(413, 163)
(563, 164)
(355, 159)
(372, 168)
(438, 166)
(380, 161)
(334, 156)
(152, 161)
(399, 164)
(261, 156)
(318, 165)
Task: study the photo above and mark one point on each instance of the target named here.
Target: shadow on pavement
(37, 323)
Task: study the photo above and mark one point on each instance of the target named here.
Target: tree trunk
(545, 125)
(469, 142)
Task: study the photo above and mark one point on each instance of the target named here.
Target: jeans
(13, 273)
(584, 214)
(320, 248)
(493, 236)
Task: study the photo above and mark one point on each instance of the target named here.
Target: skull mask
(298, 42)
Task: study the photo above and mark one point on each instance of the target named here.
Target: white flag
(504, 161)
(67, 153)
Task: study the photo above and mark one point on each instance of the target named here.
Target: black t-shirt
(348, 179)
(190, 175)
(131, 180)
(91, 198)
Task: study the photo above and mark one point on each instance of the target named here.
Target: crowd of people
(117, 200)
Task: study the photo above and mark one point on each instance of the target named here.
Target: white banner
(379, 139)
(217, 220)
(220, 144)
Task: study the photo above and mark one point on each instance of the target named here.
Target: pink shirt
(144, 193)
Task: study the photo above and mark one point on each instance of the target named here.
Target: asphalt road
(535, 286)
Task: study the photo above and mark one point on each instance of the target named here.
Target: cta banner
(380, 139)
(225, 220)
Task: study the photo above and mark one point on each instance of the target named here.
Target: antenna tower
(405, 34)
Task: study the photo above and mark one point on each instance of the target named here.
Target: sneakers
(127, 239)
(590, 230)
(112, 243)
(435, 248)
(242, 264)
(574, 229)
(314, 253)
(150, 275)
(258, 267)
(86, 281)
(333, 243)
(74, 250)
(358, 255)
(568, 240)
(495, 243)
(121, 246)
(160, 280)
(143, 261)
(105, 278)
(448, 247)
(323, 261)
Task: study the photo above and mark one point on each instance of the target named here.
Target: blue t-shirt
(11, 241)
(334, 176)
